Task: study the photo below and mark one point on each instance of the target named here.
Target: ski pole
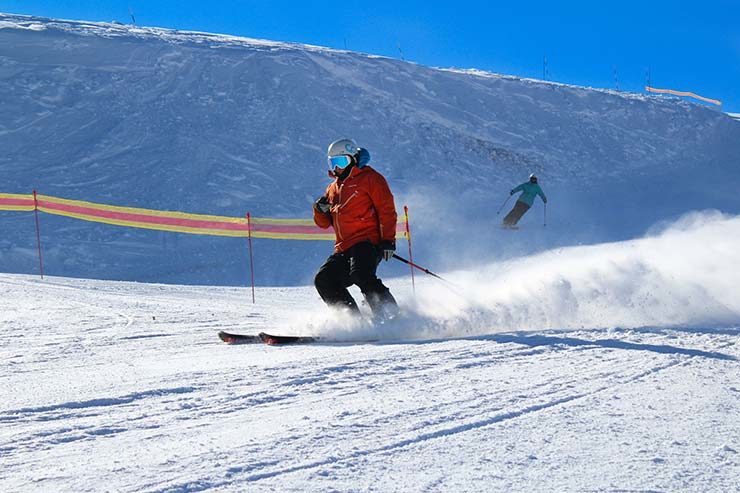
(545, 223)
(503, 205)
(450, 285)
(427, 271)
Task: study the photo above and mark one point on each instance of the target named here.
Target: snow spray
(682, 274)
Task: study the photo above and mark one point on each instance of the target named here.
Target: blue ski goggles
(341, 161)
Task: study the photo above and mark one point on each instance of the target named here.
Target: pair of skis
(264, 338)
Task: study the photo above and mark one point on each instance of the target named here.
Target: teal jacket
(530, 191)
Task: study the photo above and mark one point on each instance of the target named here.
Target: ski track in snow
(126, 385)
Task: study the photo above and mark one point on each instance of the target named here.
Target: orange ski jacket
(361, 209)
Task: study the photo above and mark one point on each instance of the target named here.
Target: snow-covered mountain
(216, 124)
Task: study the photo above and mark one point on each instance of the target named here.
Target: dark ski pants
(516, 214)
(355, 266)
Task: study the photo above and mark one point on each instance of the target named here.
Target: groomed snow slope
(125, 387)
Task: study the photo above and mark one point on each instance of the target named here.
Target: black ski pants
(516, 213)
(355, 266)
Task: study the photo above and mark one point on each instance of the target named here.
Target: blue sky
(691, 46)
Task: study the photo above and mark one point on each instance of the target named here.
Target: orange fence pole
(251, 262)
(38, 233)
(408, 238)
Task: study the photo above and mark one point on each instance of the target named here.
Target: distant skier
(530, 190)
(359, 205)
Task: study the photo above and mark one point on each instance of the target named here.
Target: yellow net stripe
(174, 221)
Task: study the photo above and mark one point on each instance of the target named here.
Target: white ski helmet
(342, 146)
(533, 178)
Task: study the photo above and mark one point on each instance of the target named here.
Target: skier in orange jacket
(359, 205)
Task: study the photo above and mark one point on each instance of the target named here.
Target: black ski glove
(322, 205)
(511, 193)
(386, 249)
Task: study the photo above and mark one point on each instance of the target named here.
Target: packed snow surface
(125, 386)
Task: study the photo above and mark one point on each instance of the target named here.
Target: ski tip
(226, 337)
(268, 339)
(237, 338)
